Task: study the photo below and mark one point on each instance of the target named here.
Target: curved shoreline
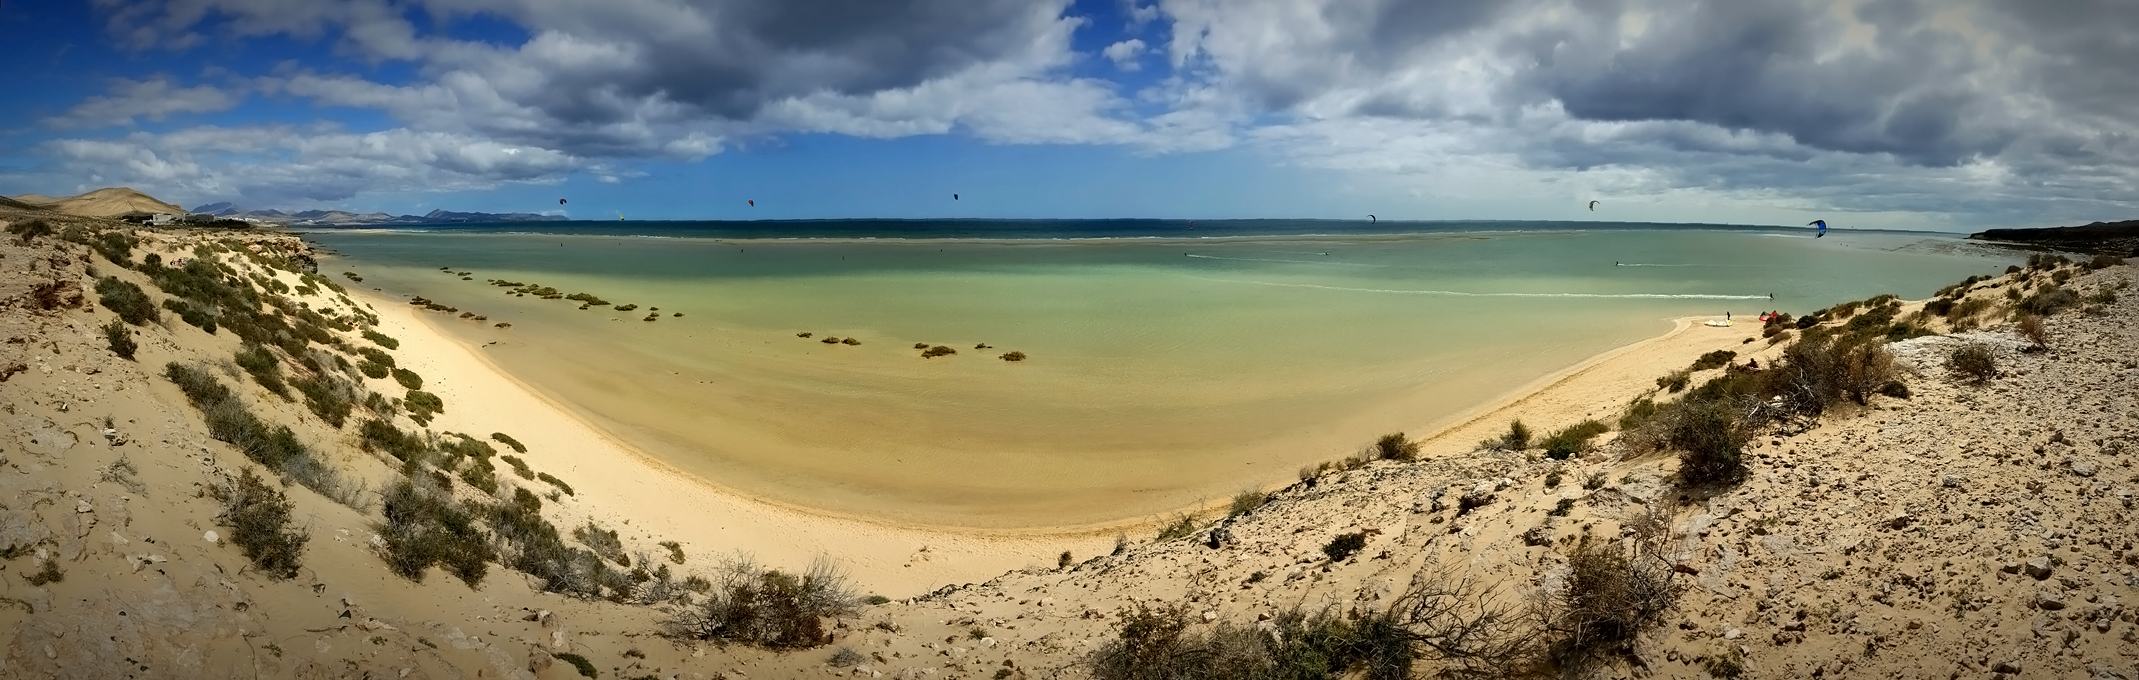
(667, 503)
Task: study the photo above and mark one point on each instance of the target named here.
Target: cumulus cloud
(276, 164)
(1124, 54)
(151, 99)
(1893, 104)
(1999, 107)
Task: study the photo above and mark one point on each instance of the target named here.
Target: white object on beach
(1718, 324)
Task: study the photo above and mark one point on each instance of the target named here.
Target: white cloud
(1125, 54)
(152, 99)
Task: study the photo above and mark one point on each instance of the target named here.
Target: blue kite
(1822, 224)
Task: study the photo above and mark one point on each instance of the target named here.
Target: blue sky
(1878, 113)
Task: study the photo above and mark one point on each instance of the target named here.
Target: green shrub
(1573, 439)
(263, 367)
(507, 440)
(480, 477)
(2104, 261)
(675, 551)
(1345, 545)
(519, 467)
(422, 406)
(116, 246)
(1715, 359)
(193, 316)
(1246, 502)
(407, 378)
(328, 397)
(1710, 441)
(424, 527)
(381, 339)
(126, 300)
(603, 542)
(937, 351)
(553, 481)
(626, 308)
(1395, 446)
(2047, 301)
(199, 386)
(1013, 356)
(1675, 381)
(1566, 505)
(28, 231)
(379, 435)
(372, 370)
(1517, 438)
(768, 608)
(120, 338)
(587, 298)
(258, 516)
(579, 663)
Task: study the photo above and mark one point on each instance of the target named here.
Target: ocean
(1164, 366)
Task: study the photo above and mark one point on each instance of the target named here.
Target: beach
(1162, 373)
(617, 482)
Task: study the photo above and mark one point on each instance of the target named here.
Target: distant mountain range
(343, 218)
(2110, 237)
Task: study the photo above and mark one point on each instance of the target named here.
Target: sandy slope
(1891, 542)
(109, 202)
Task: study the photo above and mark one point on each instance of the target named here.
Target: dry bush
(1614, 591)
(1572, 440)
(258, 516)
(425, 527)
(1181, 526)
(1973, 361)
(1517, 438)
(1246, 502)
(127, 300)
(2030, 327)
(1395, 447)
(120, 338)
(766, 607)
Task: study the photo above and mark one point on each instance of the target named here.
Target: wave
(1260, 259)
(1458, 293)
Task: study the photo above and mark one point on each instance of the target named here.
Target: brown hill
(112, 202)
(18, 204)
(34, 199)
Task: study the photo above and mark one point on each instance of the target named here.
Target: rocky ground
(1969, 530)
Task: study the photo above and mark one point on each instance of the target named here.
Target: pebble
(2039, 568)
(212, 537)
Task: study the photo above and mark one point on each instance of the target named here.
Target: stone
(211, 537)
(2083, 468)
(2039, 568)
(2005, 667)
(1952, 481)
(82, 506)
(2049, 601)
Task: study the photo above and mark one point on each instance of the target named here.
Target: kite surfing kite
(1593, 206)
(1822, 224)
(753, 203)
(560, 201)
(1372, 219)
(954, 197)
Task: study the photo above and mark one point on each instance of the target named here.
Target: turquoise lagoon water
(1164, 369)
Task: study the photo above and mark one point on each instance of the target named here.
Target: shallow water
(1162, 372)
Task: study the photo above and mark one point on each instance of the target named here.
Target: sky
(1913, 114)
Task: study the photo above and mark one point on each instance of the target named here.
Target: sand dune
(1968, 530)
(109, 202)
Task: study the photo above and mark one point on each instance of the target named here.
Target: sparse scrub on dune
(1181, 526)
(1246, 502)
(1395, 446)
(603, 542)
(1973, 361)
(258, 516)
(264, 367)
(193, 316)
(376, 356)
(1344, 546)
(1675, 381)
(2046, 302)
(273, 446)
(126, 300)
(1711, 442)
(1614, 592)
(116, 246)
(28, 231)
(675, 551)
(1440, 626)
(379, 435)
(1517, 438)
(2104, 261)
(422, 406)
(1013, 356)
(1715, 359)
(407, 378)
(372, 370)
(2030, 327)
(425, 527)
(937, 351)
(519, 467)
(508, 441)
(381, 339)
(547, 478)
(1572, 440)
(329, 397)
(120, 338)
(766, 607)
